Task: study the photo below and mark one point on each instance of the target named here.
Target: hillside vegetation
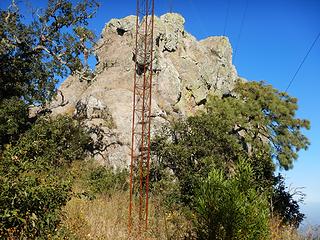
(213, 174)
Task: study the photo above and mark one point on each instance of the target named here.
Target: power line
(241, 27)
(226, 19)
(303, 60)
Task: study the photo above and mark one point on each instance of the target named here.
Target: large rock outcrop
(185, 72)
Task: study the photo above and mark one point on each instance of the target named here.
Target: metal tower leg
(142, 90)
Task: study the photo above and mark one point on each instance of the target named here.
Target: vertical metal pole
(149, 116)
(142, 149)
(133, 121)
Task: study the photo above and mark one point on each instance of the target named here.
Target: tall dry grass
(280, 231)
(107, 218)
(101, 218)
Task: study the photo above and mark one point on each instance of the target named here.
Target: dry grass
(286, 232)
(107, 218)
(280, 231)
(101, 218)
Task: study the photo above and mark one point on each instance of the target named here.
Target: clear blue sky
(276, 35)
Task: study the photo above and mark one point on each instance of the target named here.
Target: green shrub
(51, 142)
(107, 180)
(165, 185)
(286, 203)
(30, 205)
(34, 183)
(231, 207)
(13, 119)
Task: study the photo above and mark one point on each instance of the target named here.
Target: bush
(231, 207)
(286, 203)
(107, 180)
(13, 119)
(49, 143)
(34, 183)
(166, 186)
(30, 205)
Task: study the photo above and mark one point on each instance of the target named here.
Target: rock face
(185, 72)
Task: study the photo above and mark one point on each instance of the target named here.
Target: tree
(13, 119)
(34, 153)
(265, 119)
(33, 55)
(256, 123)
(286, 201)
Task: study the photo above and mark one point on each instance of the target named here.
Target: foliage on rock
(106, 180)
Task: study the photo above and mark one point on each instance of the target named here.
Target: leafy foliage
(33, 55)
(287, 203)
(231, 207)
(30, 205)
(258, 124)
(265, 119)
(107, 180)
(49, 143)
(34, 155)
(13, 119)
(33, 182)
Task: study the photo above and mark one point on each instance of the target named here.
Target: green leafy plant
(230, 207)
(51, 142)
(13, 119)
(107, 180)
(34, 154)
(34, 183)
(30, 205)
(34, 53)
(287, 202)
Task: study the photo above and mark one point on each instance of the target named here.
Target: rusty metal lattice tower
(142, 90)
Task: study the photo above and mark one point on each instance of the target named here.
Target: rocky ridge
(185, 72)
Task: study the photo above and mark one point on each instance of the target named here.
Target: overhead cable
(241, 27)
(302, 62)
